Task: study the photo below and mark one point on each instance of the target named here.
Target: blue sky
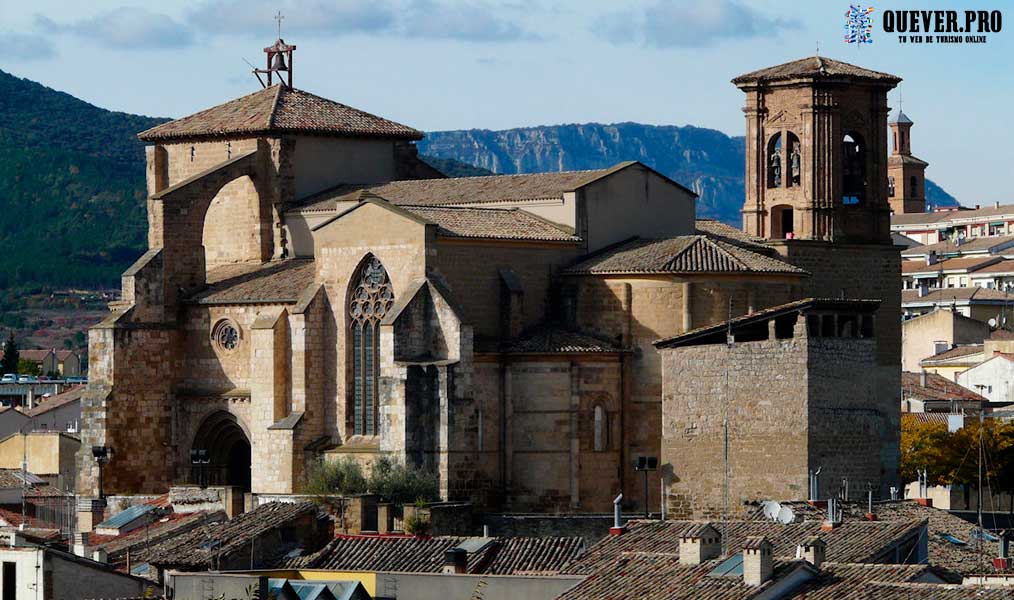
(444, 64)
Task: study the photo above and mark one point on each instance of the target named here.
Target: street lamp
(645, 464)
(102, 455)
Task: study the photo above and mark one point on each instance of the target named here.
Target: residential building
(57, 363)
(977, 303)
(963, 223)
(930, 392)
(935, 332)
(32, 571)
(950, 363)
(947, 273)
(996, 276)
(992, 378)
(50, 455)
(962, 248)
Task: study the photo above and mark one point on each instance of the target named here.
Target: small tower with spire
(906, 178)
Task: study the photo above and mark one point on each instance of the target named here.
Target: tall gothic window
(369, 300)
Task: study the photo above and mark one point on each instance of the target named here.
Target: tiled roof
(171, 525)
(955, 352)
(966, 264)
(951, 559)
(217, 541)
(937, 387)
(976, 244)
(500, 556)
(944, 295)
(947, 217)
(34, 355)
(683, 254)
(490, 223)
(68, 396)
(552, 338)
(279, 109)
(910, 591)
(272, 282)
(727, 233)
(837, 580)
(852, 541)
(924, 417)
(1003, 266)
(462, 190)
(817, 67)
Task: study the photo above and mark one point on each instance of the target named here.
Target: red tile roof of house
(937, 387)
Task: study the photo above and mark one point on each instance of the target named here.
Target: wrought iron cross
(279, 18)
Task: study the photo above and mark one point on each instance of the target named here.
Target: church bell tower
(906, 174)
(816, 152)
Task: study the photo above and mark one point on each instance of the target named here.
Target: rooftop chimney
(1002, 562)
(813, 549)
(700, 543)
(996, 204)
(81, 547)
(757, 561)
(455, 561)
(618, 527)
(922, 378)
(931, 257)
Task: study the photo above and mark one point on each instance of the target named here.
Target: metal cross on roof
(279, 17)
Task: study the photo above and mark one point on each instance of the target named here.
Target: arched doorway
(220, 453)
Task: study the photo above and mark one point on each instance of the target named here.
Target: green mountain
(72, 210)
(705, 160)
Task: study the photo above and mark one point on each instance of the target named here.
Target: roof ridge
(274, 106)
(509, 175)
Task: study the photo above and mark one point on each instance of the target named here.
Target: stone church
(313, 290)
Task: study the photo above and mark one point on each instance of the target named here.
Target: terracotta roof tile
(272, 282)
(197, 547)
(976, 244)
(461, 190)
(683, 254)
(967, 264)
(491, 223)
(553, 339)
(937, 387)
(407, 554)
(65, 397)
(817, 67)
(718, 230)
(956, 352)
(852, 541)
(279, 109)
(945, 295)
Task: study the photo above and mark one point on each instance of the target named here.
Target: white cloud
(123, 28)
(668, 23)
(24, 46)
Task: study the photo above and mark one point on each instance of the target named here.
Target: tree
(953, 457)
(335, 477)
(924, 446)
(401, 484)
(9, 362)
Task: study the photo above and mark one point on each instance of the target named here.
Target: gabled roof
(409, 554)
(976, 244)
(937, 387)
(279, 109)
(490, 223)
(815, 67)
(62, 399)
(852, 541)
(683, 254)
(469, 190)
(968, 352)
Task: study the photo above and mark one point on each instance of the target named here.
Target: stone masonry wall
(762, 388)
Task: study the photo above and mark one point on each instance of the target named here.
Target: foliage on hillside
(71, 188)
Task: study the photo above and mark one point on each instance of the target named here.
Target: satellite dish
(785, 515)
(992, 323)
(770, 509)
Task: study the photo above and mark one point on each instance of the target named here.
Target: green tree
(27, 367)
(9, 362)
(341, 477)
(401, 484)
(953, 457)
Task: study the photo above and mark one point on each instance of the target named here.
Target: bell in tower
(816, 151)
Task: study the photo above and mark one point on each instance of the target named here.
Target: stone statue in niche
(795, 162)
(776, 169)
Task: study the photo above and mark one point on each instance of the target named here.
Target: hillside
(706, 160)
(72, 177)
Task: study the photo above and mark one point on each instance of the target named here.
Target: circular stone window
(225, 335)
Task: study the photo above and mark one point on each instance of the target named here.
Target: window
(913, 186)
(890, 186)
(193, 153)
(853, 169)
(369, 300)
(10, 581)
(600, 429)
(225, 335)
